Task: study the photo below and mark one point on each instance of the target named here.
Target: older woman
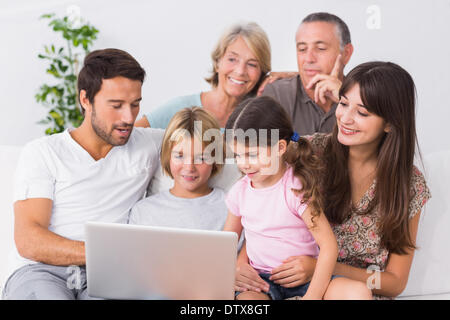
(241, 59)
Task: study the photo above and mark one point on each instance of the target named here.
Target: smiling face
(357, 127)
(262, 165)
(238, 69)
(190, 169)
(114, 109)
(318, 46)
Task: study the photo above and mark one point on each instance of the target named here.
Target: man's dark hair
(106, 64)
(342, 28)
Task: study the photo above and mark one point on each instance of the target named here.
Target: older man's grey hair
(341, 27)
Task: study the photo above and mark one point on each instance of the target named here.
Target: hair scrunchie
(295, 136)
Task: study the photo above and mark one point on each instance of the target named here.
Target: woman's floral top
(358, 238)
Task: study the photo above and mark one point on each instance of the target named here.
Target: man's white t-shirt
(82, 189)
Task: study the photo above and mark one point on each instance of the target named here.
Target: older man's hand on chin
(327, 86)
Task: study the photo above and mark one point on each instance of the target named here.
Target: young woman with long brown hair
(373, 194)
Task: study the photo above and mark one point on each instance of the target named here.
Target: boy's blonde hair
(182, 125)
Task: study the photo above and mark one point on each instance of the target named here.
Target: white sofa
(428, 279)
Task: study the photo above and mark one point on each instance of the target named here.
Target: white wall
(173, 39)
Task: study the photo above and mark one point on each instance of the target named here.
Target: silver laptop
(142, 262)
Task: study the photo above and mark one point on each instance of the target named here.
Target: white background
(173, 39)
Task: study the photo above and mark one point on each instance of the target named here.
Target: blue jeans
(277, 292)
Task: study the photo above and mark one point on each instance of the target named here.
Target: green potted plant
(61, 96)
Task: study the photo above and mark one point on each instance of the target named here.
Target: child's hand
(248, 278)
(294, 271)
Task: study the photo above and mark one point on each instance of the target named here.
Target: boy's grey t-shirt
(166, 210)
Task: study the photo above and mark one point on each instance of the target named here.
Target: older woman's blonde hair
(255, 38)
(184, 124)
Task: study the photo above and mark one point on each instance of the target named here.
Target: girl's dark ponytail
(308, 168)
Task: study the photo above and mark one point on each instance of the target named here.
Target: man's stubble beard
(107, 137)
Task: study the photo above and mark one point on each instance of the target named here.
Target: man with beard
(96, 172)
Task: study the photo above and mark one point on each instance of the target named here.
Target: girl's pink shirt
(271, 217)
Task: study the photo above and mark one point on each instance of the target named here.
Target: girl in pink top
(278, 203)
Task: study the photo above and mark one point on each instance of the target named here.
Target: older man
(96, 172)
(323, 47)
